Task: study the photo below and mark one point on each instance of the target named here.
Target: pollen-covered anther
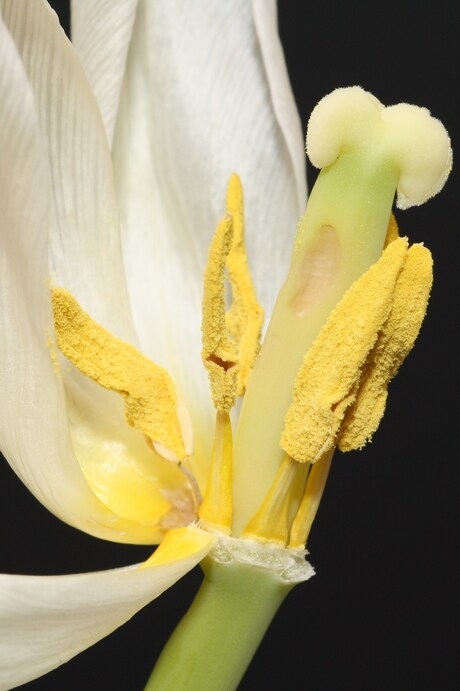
(394, 342)
(151, 404)
(329, 378)
(186, 428)
(230, 337)
(245, 316)
(416, 144)
(220, 352)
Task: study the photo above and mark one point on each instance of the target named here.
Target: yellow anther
(394, 342)
(272, 522)
(220, 352)
(328, 380)
(216, 508)
(151, 405)
(230, 338)
(245, 317)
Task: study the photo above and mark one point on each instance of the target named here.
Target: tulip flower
(136, 267)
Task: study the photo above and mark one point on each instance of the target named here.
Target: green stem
(214, 643)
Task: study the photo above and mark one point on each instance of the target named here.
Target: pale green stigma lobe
(408, 136)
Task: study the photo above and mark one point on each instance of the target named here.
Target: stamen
(186, 428)
(219, 352)
(309, 505)
(151, 405)
(217, 505)
(272, 522)
(245, 317)
(395, 341)
(328, 379)
(230, 338)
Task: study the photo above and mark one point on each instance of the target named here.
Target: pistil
(367, 153)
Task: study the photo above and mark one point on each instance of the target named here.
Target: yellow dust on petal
(180, 543)
(410, 300)
(220, 352)
(245, 317)
(328, 379)
(217, 505)
(150, 398)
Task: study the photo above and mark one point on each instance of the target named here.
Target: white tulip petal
(124, 471)
(46, 620)
(101, 32)
(30, 423)
(284, 106)
(34, 433)
(198, 104)
(85, 253)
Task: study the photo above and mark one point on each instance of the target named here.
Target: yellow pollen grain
(329, 377)
(245, 317)
(395, 341)
(150, 398)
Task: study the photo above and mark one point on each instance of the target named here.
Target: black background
(380, 612)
